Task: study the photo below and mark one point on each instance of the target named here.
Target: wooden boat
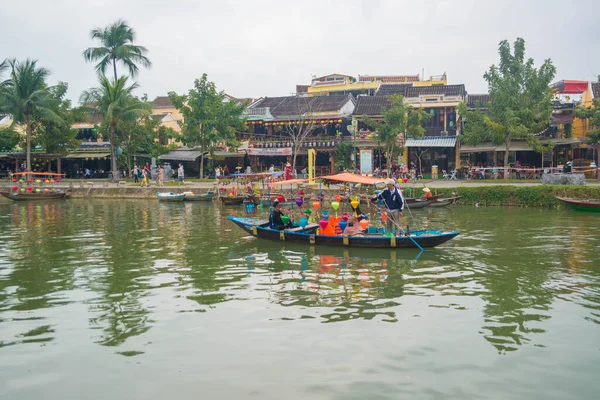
(29, 196)
(418, 203)
(191, 196)
(260, 229)
(581, 204)
(170, 196)
(232, 201)
(410, 200)
(443, 202)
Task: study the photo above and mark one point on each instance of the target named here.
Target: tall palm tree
(26, 98)
(117, 45)
(115, 102)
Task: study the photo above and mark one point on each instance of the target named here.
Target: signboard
(366, 162)
(268, 151)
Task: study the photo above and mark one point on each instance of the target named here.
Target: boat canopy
(352, 178)
(38, 173)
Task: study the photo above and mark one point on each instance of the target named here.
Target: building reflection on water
(126, 260)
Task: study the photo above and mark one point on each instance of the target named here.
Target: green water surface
(146, 300)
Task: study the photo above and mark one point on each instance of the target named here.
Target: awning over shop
(181, 155)
(431, 141)
(87, 155)
(516, 145)
(478, 148)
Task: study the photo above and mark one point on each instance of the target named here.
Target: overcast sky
(264, 48)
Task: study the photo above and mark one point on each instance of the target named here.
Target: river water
(146, 300)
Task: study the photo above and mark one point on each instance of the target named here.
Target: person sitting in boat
(353, 228)
(427, 193)
(275, 219)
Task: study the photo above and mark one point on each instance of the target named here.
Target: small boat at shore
(191, 196)
(232, 200)
(307, 235)
(170, 196)
(32, 196)
(581, 204)
(443, 202)
(418, 203)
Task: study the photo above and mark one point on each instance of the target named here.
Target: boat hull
(35, 196)
(170, 197)
(232, 201)
(444, 202)
(199, 197)
(418, 204)
(581, 204)
(425, 239)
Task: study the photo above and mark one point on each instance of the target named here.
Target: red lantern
(57, 180)
(15, 188)
(29, 180)
(29, 188)
(51, 180)
(14, 180)
(280, 198)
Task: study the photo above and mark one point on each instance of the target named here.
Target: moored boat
(307, 235)
(170, 196)
(232, 200)
(191, 196)
(581, 204)
(19, 196)
(418, 203)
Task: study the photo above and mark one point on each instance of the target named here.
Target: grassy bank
(528, 196)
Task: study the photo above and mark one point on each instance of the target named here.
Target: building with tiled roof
(389, 89)
(372, 106)
(477, 101)
(596, 90)
(162, 102)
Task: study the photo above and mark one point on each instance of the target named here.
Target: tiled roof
(478, 100)
(162, 102)
(389, 78)
(293, 106)
(596, 90)
(158, 116)
(447, 90)
(371, 105)
(431, 141)
(389, 89)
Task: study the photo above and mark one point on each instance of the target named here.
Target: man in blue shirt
(394, 204)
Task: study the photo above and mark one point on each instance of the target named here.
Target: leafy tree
(343, 154)
(26, 97)
(521, 102)
(208, 117)
(117, 45)
(400, 120)
(116, 103)
(58, 138)
(9, 139)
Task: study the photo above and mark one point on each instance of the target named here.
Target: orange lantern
(338, 198)
(316, 205)
(364, 224)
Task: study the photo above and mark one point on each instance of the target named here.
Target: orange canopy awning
(353, 178)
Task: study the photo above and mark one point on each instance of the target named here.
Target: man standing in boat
(394, 204)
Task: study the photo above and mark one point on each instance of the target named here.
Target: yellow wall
(439, 81)
(325, 89)
(171, 110)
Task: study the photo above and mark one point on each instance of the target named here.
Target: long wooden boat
(444, 201)
(170, 196)
(410, 200)
(418, 203)
(190, 196)
(260, 229)
(581, 204)
(19, 196)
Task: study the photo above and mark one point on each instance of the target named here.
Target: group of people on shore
(144, 175)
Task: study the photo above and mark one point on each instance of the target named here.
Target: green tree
(592, 114)
(58, 138)
(400, 121)
(343, 154)
(208, 119)
(26, 97)
(115, 102)
(117, 45)
(520, 106)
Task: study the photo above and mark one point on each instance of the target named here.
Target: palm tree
(26, 98)
(115, 102)
(117, 45)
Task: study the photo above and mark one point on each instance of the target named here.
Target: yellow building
(169, 116)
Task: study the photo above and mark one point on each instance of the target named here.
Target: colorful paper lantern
(303, 222)
(343, 225)
(29, 180)
(316, 205)
(14, 180)
(37, 190)
(354, 203)
(323, 224)
(22, 189)
(280, 198)
(364, 224)
(325, 214)
(299, 202)
(51, 180)
(338, 197)
(285, 219)
(335, 205)
(57, 180)
(47, 181)
(29, 188)
(345, 216)
(15, 188)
